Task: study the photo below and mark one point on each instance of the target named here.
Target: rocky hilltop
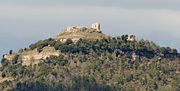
(77, 32)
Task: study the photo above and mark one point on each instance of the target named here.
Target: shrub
(15, 59)
(3, 75)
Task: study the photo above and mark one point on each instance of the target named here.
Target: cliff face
(32, 56)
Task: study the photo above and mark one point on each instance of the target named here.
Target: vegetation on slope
(109, 64)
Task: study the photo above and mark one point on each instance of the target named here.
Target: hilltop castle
(77, 32)
(95, 28)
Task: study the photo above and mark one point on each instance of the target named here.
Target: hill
(85, 59)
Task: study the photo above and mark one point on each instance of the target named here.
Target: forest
(108, 64)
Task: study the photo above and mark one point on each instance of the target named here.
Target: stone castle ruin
(131, 38)
(77, 32)
(95, 28)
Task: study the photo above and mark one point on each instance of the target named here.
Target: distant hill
(85, 59)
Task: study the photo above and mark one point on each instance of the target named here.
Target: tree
(174, 51)
(57, 45)
(68, 41)
(163, 50)
(15, 59)
(10, 52)
(3, 75)
(32, 46)
(39, 50)
(4, 62)
(20, 50)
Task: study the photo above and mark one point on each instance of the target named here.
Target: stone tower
(131, 38)
(96, 26)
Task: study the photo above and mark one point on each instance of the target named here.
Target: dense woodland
(109, 64)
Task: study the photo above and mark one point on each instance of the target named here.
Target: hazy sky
(23, 22)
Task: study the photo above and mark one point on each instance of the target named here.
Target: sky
(23, 22)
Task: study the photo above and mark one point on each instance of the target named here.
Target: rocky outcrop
(9, 56)
(135, 57)
(34, 57)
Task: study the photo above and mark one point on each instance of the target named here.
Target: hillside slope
(89, 63)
